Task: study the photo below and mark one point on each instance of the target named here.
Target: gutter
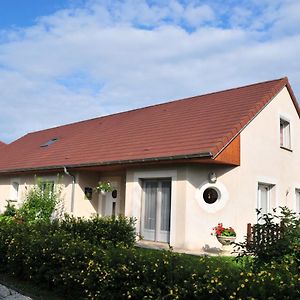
(207, 154)
(73, 188)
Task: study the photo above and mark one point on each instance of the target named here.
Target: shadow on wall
(90, 180)
(212, 250)
(199, 173)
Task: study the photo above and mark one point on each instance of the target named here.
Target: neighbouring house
(179, 167)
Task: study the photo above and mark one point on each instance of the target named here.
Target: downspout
(73, 187)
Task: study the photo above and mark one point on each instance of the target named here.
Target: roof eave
(207, 154)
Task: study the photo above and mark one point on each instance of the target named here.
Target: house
(179, 167)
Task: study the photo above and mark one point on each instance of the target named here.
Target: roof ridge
(155, 105)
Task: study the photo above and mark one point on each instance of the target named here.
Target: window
(15, 191)
(263, 201)
(285, 134)
(298, 201)
(88, 192)
(47, 187)
(50, 142)
(210, 195)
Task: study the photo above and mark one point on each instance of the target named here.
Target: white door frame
(133, 203)
(157, 234)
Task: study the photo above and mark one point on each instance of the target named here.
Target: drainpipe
(73, 187)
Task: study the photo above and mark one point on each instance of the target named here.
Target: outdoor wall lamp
(212, 177)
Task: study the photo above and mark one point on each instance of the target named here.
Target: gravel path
(9, 294)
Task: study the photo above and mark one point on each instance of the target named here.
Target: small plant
(222, 231)
(10, 209)
(104, 186)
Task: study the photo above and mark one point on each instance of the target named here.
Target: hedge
(64, 257)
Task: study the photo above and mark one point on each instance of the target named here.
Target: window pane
(15, 191)
(298, 201)
(150, 205)
(264, 200)
(285, 134)
(281, 134)
(165, 205)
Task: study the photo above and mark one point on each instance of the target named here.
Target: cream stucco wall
(81, 206)
(26, 182)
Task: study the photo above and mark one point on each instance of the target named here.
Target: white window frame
(15, 195)
(259, 201)
(219, 204)
(285, 133)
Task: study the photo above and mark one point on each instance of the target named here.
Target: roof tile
(198, 124)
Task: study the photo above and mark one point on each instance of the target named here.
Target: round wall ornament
(211, 196)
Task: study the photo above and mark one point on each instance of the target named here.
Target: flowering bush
(222, 231)
(104, 187)
(64, 258)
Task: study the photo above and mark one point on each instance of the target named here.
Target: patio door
(156, 209)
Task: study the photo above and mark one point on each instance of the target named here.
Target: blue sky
(25, 12)
(64, 61)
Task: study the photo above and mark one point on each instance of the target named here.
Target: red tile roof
(197, 126)
(2, 144)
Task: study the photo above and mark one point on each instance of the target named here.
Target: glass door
(156, 209)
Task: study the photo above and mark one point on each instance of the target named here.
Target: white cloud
(99, 58)
(197, 15)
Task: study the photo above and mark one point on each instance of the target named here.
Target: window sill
(284, 148)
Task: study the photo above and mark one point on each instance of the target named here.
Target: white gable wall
(262, 160)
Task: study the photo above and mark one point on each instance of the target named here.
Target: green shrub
(104, 232)
(273, 280)
(272, 248)
(40, 203)
(77, 259)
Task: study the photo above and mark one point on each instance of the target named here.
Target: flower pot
(226, 242)
(103, 193)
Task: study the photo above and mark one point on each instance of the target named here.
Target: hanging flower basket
(104, 187)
